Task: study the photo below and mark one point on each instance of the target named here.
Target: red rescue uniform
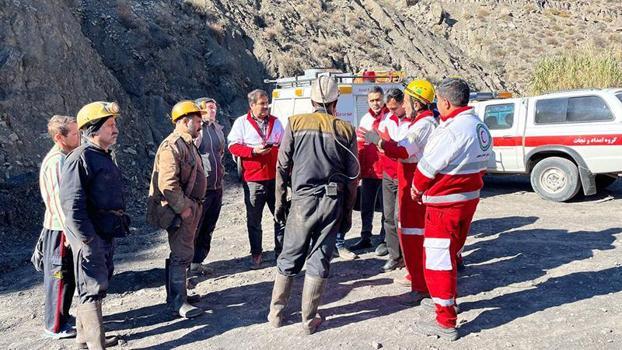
(450, 177)
(411, 214)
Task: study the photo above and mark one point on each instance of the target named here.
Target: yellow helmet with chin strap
(183, 108)
(96, 110)
(421, 90)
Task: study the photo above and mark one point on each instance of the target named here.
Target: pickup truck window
(572, 110)
(499, 117)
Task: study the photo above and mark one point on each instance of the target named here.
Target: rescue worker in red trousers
(58, 275)
(448, 181)
(390, 126)
(93, 203)
(255, 138)
(175, 201)
(371, 177)
(318, 161)
(211, 146)
(417, 126)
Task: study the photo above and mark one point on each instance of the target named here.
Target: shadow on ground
(247, 305)
(554, 292)
(524, 255)
(514, 256)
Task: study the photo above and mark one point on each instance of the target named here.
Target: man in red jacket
(390, 127)
(371, 176)
(255, 138)
(415, 129)
(448, 181)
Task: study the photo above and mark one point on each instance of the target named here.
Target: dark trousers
(389, 204)
(93, 267)
(256, 196)
(58, 279)
(371, 193)
(211, 212)
(310, 234)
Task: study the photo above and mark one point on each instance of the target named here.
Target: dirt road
(539, 275)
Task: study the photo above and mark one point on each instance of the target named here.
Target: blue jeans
(340, 242)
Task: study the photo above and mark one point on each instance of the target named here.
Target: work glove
(372, 137)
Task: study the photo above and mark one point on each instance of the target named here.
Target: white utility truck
(293, 95)
(566, 141)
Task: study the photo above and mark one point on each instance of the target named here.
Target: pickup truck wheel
(603, 181)
(555, 179)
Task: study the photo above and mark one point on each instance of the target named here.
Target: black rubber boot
(167, 266)
(178, 293)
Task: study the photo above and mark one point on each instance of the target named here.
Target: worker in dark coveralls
(318, 160)
(176, 193)
(92, 201)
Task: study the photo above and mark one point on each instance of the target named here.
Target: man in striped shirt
(58, 280)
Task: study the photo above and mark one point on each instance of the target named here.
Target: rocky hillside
(56, 56)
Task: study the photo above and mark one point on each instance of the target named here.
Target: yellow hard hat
(96, 110)
(420, 89)
(183, 108)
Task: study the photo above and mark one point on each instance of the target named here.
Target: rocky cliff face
(56, 56)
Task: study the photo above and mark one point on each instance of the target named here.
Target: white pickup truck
(565, 141)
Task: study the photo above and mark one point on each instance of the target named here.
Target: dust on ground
(538, 274)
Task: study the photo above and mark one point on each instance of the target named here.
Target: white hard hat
(324, 89)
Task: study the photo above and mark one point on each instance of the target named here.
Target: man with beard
(176, 193)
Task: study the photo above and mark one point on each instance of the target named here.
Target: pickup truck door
(506, 122)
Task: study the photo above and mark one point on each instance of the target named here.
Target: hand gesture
(371, 137)
(260, 150)
(416, 195)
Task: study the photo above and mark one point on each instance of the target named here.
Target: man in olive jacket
(176, 193)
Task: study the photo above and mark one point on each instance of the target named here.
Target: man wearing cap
(318, 161)
(91, 196)
(211, 145)
(177, 189)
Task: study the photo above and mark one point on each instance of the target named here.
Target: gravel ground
(539, 275)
